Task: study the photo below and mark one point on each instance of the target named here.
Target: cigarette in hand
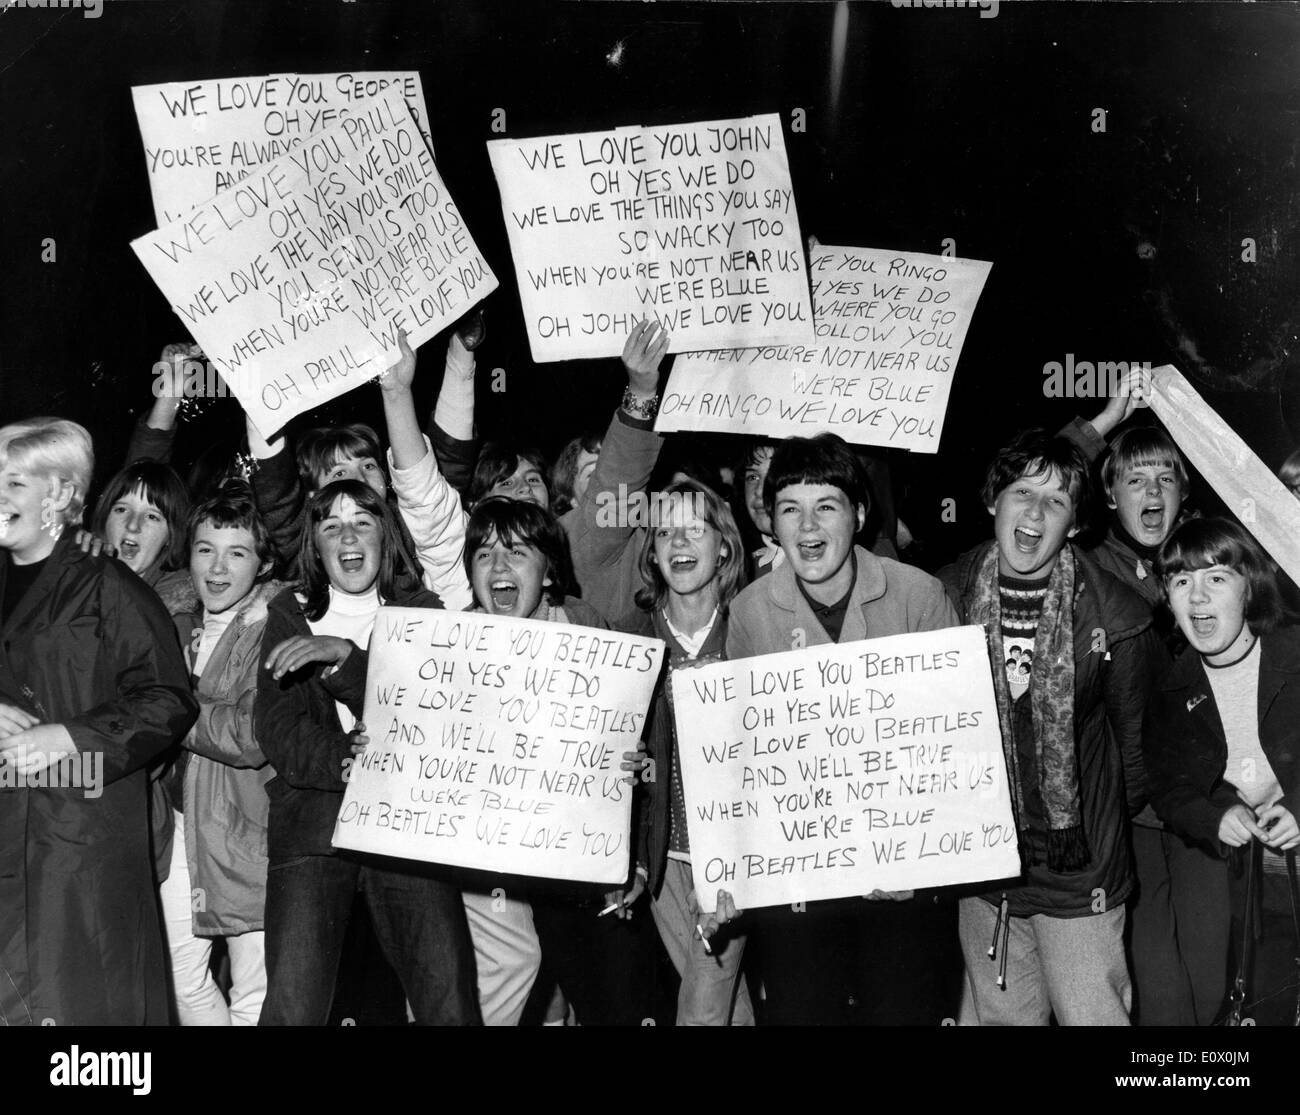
(699, 929)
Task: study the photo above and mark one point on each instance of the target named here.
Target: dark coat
(660, 735)
(89, 647)
(298, 727)
(1187, 752)
(1116, 655)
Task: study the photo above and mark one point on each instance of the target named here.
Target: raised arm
(1091, 436)
(430, 508)
(155, 431)
(451, 426)
(278, 494)
(603, 522)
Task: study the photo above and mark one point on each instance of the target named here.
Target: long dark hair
(393, 560)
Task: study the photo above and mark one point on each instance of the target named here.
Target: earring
(48, 524)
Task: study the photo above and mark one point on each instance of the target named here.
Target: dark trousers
(418, 919)
(854, 962)
(606, 967)
(1179, 931)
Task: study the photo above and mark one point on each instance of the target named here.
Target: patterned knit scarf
(1051, 693)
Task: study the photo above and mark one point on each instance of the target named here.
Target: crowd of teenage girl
(207, 645)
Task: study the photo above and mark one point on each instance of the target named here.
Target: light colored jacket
(226, 806)
(889, 598)
(433, 514)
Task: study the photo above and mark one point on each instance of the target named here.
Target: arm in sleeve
(278, 493)
(308, 755)
(937, 611)
(950, 578)
(150, 444)
(1126, 683)
(1177, 799)
(451, 425)
(740, 643)
(154, 707)
(224, 729)
(433, 514)
(604, 525)
(1083, 434)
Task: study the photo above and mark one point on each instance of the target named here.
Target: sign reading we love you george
(201, 137)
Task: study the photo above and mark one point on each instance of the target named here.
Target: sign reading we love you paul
(297, 280)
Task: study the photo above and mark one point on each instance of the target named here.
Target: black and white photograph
(609, 514)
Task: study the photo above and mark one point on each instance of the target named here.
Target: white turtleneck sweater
(214, 626)
(352, 618)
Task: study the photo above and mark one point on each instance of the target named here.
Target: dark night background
(1117, 246)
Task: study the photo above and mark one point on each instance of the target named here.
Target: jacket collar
(714, 644)
(1279, 662)
(65, 553)
(869, 585)
(251, 611)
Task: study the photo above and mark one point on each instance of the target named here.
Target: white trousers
(199, 1001)
(506, 951)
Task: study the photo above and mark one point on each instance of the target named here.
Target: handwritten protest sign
(201, 137)
(297, 280)
(889, 326)
(693, 224)
(1258, 499)
(496, 743)
(838, 770)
